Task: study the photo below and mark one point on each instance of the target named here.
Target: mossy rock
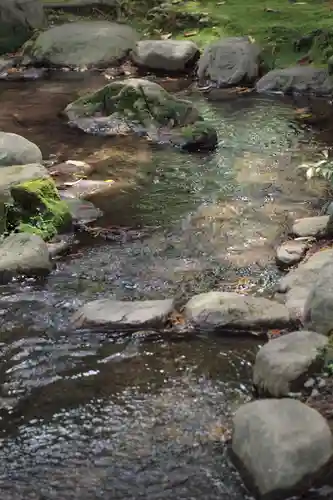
(199, 136)
(139, 106)
(30, 202)
(137, 102)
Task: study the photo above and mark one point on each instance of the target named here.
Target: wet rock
(31, 201)
(84, 44)
(230, 61)
(82, 212)
(143, 107)
(17, 74)
(318, 309)
(281, 446)
(218, 311)
(89, 190)
(70, 171)
(23, 254)
(318, 227)
(290, 253)
(284, 363)
(166, 55)
(298, 79)
(16, 150)
(18, 19)
(296, 285)
(126, 315)
(60, 245)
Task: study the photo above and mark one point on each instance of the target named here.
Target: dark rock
(297, 79)
(18, 20)
(230, 61)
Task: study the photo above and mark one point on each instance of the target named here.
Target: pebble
(309, 383)
(314, 393)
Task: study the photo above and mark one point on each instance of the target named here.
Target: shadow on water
(89, 414)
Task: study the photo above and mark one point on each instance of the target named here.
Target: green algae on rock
(133, 105)
(30, 201)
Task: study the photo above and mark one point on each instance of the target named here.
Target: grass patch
(277, 25)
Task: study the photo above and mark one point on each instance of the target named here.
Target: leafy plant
(321, 168)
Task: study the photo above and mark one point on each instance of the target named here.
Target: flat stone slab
(124, 315)
(284, 363)
(318, 227)
(215, 311)
(281, 446)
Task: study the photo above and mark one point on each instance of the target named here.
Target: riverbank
(287, 31)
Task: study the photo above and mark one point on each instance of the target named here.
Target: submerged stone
(143, 107)
(119, 314)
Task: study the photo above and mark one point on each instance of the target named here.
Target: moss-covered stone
(30, 202)
(137, 102)
(41, 211)
(144, 107)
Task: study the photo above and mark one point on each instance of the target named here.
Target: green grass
(276, 29)
(275, 24)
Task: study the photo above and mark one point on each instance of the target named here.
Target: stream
(94, 415)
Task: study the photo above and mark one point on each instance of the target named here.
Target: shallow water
(89, 415)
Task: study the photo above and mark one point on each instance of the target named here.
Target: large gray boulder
(16, 150)
(228, 311)
(166, 55)
(297, 284)
(281, 446)
(124, 315)
(318, 309)
(23, 254)
(229, 61)
(84, 44)
(298, 79)
(283, 364)
(18, 19)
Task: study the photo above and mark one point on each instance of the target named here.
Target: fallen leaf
(190, 33)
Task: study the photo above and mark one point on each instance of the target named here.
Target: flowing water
(94, 415)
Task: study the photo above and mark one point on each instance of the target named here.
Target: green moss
(143, 103)
(276, 25)
(39, 208)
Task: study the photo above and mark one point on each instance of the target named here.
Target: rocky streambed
(166, 271)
